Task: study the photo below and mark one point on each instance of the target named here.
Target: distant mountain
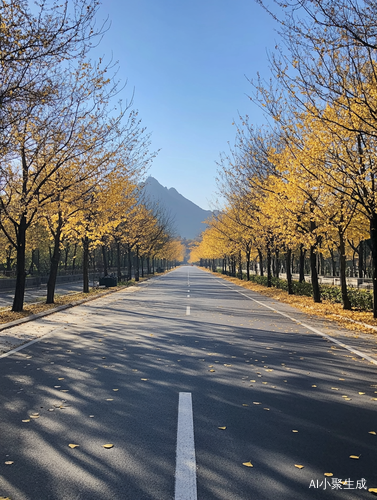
(188, 217)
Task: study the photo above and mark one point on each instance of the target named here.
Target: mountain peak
(188, 217)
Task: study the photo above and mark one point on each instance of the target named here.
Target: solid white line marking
(188, 311)
(185, 464)
(315, 330)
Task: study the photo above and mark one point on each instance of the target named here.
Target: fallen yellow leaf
(256, 403)
(26, 420)
(299, 466)
(211, 370)
(145, 379)
(294, 430)
(73, 445)
(372, 432)
(222, 428)
(247, 464)
(108, 446)
(314, 386)
(245, 404)
(115, 390)
(361, 392)
(9, 462)
(356, 457)
(371, 490)
(328, 474)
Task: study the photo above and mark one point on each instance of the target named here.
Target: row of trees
(71, 154)
(307, 182)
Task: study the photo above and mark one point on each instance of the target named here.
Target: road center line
(315, 330)
(188, 311)
(185, 465)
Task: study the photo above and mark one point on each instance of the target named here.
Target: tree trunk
(301, 271)
(31, 268)
(269, 275)
(248, 265)
(277, 263)
(260, 262)
(333, 263)
(129, 264)
(119, 273)
(240, 265)
(361, 259)
(85, 264)
(104, 258)
(343, 281)
(18, 301)
(314, 275)
(142, 266)
(66, 252)
(373, 240)
(136, 265)
(54, 265)
(74, 258)
(289, 272)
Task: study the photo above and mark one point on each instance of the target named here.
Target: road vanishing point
(191, 388)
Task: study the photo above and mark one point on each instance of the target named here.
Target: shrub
(360, 299)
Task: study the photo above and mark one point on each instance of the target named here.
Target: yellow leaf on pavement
(26, 420)
(372, 432)
(9, 462)
(222, 428)
(371, 490)
(73, 445)
(248, 464)
(299, 466)
(356, 457)
(108, 446)
(328, 474)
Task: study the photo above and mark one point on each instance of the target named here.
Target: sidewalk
(33, 294)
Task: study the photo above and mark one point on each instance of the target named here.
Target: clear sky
(188, 62)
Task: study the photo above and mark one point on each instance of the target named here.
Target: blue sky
(188, 62)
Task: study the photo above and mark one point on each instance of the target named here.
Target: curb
(33, 317)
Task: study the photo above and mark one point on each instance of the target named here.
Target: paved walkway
(36, 294)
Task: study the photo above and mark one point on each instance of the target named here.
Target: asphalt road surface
(189, 379)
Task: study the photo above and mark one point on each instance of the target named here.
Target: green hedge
(360, 299)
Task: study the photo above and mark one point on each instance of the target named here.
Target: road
(248, 386)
